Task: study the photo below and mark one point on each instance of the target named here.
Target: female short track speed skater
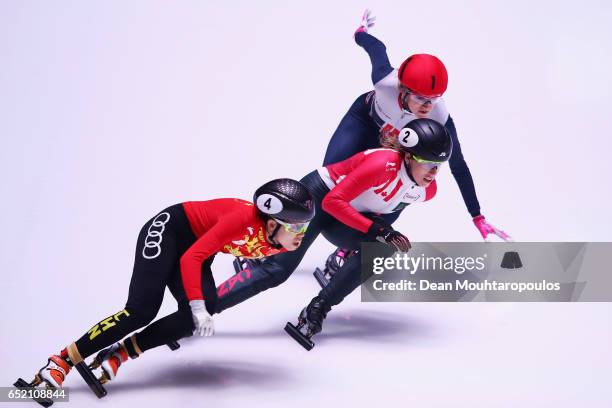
(400, 96)
(175, 249)
(426, 147)
(348, 197)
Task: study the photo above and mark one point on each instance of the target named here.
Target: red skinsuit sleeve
(229, 227)
(369, 173)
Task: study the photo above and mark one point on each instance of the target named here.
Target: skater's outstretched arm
(461, 172)
(381, 67)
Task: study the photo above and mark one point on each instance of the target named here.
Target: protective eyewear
(298, 228)
(428, 164)
(420, 99)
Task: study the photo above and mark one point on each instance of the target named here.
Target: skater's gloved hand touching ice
(385, 233)
(203, 321)
(367, 21)
(486, 229)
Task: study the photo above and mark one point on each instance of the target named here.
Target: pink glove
(485, 229)
(367, 21)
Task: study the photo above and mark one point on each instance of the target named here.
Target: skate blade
(320, 277)
(24, 385)
(173, 345)
(299, 336)
(94, 384)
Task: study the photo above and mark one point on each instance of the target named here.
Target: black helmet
(286, 200)
(426, 139)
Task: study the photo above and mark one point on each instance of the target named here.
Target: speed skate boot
(333, 263)
(310, 322)
(55, 371)
(241, 264)
(52, 376)
(110, 359)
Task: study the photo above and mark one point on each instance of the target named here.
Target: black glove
(385, 233)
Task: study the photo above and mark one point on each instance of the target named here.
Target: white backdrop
(112, 110)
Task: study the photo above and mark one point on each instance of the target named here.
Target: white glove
(367, 21)
(204, 325)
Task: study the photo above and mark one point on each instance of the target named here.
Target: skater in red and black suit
(175, 249)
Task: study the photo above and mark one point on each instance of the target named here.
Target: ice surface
(110, 111)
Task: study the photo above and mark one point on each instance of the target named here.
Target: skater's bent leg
(349, 276)
(117, 326)
(162, 331)
(249, 282)
(165, 330)
(144, 300)
(346, 279)
(169, 328)
(149, 277)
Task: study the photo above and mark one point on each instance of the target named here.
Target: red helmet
(424, 74)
